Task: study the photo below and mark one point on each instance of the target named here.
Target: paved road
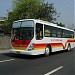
(60, 63)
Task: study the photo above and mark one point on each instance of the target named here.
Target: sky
(4, 6)
(65, 7)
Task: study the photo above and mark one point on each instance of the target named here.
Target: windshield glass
(27, 24)
(16, 24)
(15, 33)
(25, 33)
(23, 30)
(23, 24)
(74, 34)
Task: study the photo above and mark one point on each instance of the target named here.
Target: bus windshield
(23, 30)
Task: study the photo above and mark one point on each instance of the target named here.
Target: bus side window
(39, 31)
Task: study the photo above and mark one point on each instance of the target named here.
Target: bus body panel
(40, 45)
(32, 52)
(56, 44)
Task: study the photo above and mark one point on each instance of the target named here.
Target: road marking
(51, 72)
(6, 60)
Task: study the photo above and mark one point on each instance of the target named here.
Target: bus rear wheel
(47, 51)
(69, 47)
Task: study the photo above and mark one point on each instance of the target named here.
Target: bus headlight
(31, 47)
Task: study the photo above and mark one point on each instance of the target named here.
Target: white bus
(34, 37)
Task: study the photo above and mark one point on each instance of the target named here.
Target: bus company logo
(56, 40)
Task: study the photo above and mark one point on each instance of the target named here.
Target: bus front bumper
(32, 52)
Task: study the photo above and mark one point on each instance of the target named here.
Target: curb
(4, 51)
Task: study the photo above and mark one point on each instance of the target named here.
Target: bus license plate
(18, 52)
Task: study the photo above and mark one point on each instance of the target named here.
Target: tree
(47, 12)
(26, 8)
(35, 9)
(60, 24)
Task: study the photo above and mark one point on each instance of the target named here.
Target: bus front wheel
(47, 51)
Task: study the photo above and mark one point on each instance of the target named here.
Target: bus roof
(45, 23)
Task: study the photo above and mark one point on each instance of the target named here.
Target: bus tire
(69, 47)
(47, 50)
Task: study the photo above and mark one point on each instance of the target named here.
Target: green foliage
(6, 26)
(32, 9)
(60, 24)
(47, 12)
(26, 8)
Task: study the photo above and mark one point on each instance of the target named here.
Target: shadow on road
(21, 56)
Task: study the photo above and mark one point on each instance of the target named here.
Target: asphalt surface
(58, 63)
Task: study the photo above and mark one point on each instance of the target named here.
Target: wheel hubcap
(69, 48)
(47, 51)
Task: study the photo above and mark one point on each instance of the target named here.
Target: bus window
(71, 34)
(67, 34)
(39, 31)
(47, 31)
(54, 32)
(59, 32)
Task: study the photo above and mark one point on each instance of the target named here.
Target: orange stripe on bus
(43, 46)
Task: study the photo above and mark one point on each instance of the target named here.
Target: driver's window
(39, 31)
